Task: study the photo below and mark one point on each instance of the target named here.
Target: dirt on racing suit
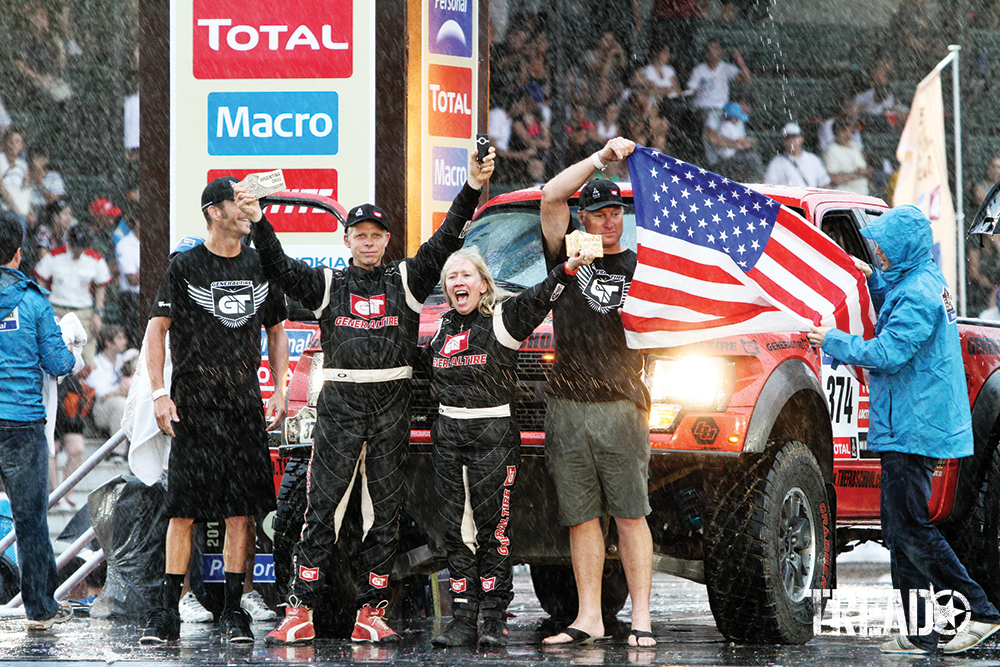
(368, 328)
(472, 362)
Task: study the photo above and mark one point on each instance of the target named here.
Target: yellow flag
(923, 171)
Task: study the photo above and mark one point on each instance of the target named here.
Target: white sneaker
(973, 635)
(900, 644)
(192, 611)
(64, 612)
(254, 605)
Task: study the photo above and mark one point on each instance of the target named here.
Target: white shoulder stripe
(411, 300)
(328, 275)
(500, 331)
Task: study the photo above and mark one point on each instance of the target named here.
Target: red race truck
(759, 474)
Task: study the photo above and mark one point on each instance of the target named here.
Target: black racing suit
(368, 327)
(472, 361)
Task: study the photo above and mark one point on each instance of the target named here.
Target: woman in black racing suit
(472, 361)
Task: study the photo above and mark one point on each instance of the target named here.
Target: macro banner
(286, 84)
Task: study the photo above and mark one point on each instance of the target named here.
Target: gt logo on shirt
(489, 584)
(511, 473)
(455, 344)
(602, 291)
(308, 573)
(378, 580)
(233, 302)
(368, 306)
(458, 585)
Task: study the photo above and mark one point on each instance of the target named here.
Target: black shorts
(219, 464)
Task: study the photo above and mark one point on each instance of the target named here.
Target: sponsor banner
(278, 39)
(450, 23)
(449, 112)
(273, 123)
(263, 569)
(335, 256)
(296, 218)
(449, 173)
(298, 339)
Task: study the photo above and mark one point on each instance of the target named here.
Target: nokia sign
(273, 123)
(280, 39)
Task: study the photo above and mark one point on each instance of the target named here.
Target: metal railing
(97, 557)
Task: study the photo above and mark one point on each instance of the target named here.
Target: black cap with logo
(366, 213)
(600, 193)
(218, 191)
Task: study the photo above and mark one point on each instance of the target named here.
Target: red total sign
(279, 39)
(296, 218)
(449, 112)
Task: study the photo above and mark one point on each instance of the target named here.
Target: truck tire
(556, 590)
(768, 545)
(10, 579)
(979, 548)
(334, 613)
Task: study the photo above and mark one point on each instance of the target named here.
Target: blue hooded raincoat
(30, 341)
(919, 403)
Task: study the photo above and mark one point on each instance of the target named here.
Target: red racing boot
(369, 626)
(295, 628)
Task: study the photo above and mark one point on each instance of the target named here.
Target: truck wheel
(556, 590)
(768, 545)
(333, 614)
(10, 579)
(981, 552)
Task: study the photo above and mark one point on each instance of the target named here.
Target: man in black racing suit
(369, 315)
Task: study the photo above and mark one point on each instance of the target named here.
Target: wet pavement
(682, 622)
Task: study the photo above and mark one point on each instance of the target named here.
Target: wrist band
(568, 271)
(597, 162)
(160, 393)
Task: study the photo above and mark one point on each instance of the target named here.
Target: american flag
(718, 259)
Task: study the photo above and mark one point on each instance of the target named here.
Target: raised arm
(304, 283)
(521, 314)
(423, 270)
(556, 194)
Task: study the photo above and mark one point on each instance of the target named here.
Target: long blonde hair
(493, 294)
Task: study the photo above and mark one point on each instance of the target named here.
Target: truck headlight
(299, 428)
(690, 383)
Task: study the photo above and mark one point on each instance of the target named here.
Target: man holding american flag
(597, 421)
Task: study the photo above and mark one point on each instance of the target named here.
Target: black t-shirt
(217, 306)
(593, 362)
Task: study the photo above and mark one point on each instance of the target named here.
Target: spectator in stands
(981, 188)
(845, 163)
(41, 59)
(522, 149)
(877, 106)
(581, 133)
(982, 258)
(127, 257)
(5, 119)
(77, 276)
(916, 34)
(47, 185)
(75, 403)
(710, 80)
(15, 180)
(673, 23)
(993, 312)
(848, 110)
(607, 126)
(733, 154)
(607, 70)
(54, 220)
(104, 220)
(796, 166)
(662, 75)
(108, 379)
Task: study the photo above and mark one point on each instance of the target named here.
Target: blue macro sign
(273, 123)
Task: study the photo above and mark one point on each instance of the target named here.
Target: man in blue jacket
(30, 342)
(919, 414)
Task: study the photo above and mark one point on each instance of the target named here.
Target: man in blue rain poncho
(919, 414)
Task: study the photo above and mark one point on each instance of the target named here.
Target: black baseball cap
(366, 213)
(600, 193)
(218, 191)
